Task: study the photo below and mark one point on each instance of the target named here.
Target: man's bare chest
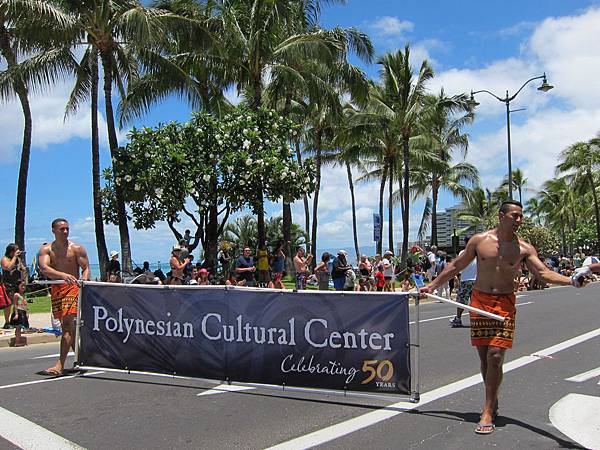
(500, 255)
(63, 259)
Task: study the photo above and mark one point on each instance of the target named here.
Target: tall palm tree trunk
(596, 211)
(434, 201)
(98, 220)
(354, 230)
(22, 93)
(406, 212)
(391, 210)
(304, 197)
(381, 191)
(114, 145)
(287, 207)
(313, 236)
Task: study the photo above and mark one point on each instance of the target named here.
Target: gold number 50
(385, 365)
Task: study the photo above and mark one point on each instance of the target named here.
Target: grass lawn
(40, 305)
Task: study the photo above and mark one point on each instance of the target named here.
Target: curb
(34, 338)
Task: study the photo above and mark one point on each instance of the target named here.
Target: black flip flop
(50, 373)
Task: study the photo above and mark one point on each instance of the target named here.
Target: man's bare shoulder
(46, 249)
(77, 248)
(527, 247)
(482, 237)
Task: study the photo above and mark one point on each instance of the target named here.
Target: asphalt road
(108, 410)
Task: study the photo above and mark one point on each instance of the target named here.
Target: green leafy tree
(545, 241)
(262, 165)
(582, 160)
(204, 170)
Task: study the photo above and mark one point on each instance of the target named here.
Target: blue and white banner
(376, 227)
(357, 342)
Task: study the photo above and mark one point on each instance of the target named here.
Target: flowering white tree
(206, 169)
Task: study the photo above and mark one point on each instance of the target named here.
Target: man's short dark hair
(57, 221)
(506, 204)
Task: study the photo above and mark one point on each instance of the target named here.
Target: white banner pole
(467, 307)
(42, 282)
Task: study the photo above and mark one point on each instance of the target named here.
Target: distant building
(447, 222)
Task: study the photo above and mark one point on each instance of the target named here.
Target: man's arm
(455, 266)
(50, 272)
(84, 263)
(541, 271)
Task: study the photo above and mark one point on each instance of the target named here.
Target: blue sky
(470, 44)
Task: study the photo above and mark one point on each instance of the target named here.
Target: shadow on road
(501, 421)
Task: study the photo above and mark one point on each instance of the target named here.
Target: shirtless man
(300, 264)
(63, 260)
(499, 254)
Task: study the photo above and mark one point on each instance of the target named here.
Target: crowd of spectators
(266, 267)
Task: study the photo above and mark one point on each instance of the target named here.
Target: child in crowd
(379, 278)
(20, 315)
(406, 283)
(203, 277)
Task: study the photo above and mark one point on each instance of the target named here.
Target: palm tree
(242, 232)
(582, 159)
(518, 180)
(480, 210)
(34, 28)
(403, 100)
(268, 37)
(556, 203)
(441, 135)
(126, 36)
(86, 86)
(532, 207)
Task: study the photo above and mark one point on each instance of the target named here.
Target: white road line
(47, 380)
(452, 315)
(222, 388)
(576, 416)
(28, 435)
(358, 423)
(56, 355)
(585, 376)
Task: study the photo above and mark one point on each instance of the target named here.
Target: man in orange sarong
(499, 254)
(63, 260)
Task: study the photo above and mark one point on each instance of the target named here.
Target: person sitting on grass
(20, 317)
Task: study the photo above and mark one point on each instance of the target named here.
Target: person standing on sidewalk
(64, 260)
(467, 281)
(499, 253)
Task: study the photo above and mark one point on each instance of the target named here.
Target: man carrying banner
(499, 254)
(63, 260)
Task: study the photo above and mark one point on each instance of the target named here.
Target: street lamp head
(545, 87)
(472, 102)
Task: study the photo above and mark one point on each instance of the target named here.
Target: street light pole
(510, 184)
(545, 87)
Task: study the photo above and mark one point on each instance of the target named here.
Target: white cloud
(552, 121)
(565, 48)
(390, 26)
(517, 29)
(49, 126)
(535, 145)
